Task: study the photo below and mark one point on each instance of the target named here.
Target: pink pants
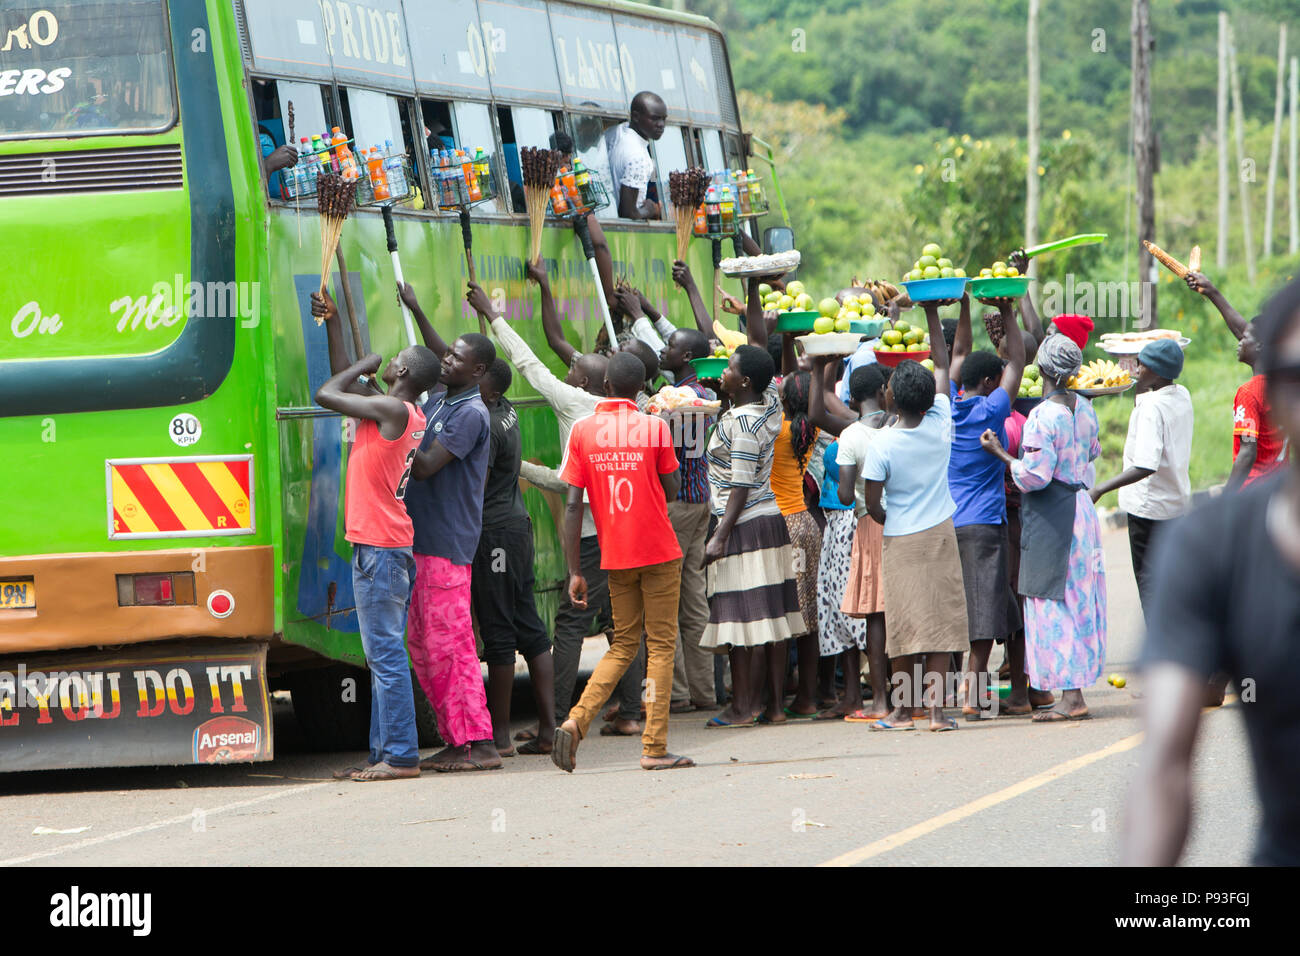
(440, 637)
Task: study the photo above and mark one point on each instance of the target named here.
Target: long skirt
(924, 593)
(751, 589)
(865, 593)
(806, 551)
(837, 631)
(1065, 641)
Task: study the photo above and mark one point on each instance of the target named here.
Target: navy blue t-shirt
(975, 476)
(447, 507)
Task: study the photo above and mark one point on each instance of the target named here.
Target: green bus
(172, 547)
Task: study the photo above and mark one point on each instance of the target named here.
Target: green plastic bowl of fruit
(1010, 287)
(710, 366)
(869, 327)
(796, 321)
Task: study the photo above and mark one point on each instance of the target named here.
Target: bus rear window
(82, 67)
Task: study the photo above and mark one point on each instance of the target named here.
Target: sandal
(795, 715)
(347, 772)
(828, 715)
(945, 725)
(610, 730)
(532, 747)
(526, 735)
(678, 762)
(563, 750)
(382, 771)
(861, 717)
(883, 724)
(717, 722)
(1055, 716)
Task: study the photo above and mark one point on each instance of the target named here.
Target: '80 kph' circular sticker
(185, 429)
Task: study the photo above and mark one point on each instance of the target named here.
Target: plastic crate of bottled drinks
(580, 199)
(454, 187)
(400, 180)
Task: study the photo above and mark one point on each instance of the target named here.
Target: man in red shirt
(625, 462)
(1258, 448)
(383, 568)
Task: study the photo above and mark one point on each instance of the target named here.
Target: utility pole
(1240, 135)
(1225, 188)
(1144, 154)
(1277, 139)
(1031, 173)
(1291, 173)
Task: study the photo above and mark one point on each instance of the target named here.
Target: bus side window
(473, 131)
(271, 99)
(669, 155)
(588, 134)
(522, 126)
(377, 120)
(714, 158)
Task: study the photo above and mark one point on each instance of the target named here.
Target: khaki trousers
(693, 670)
(643, 599)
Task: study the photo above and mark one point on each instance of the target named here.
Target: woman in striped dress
(753, 602)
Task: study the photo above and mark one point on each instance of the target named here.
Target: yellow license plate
(17, 595)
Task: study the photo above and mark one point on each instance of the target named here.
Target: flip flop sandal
(764, 719)
(466, 767)
(678, 763)
(347, 772)
(944, 725)
(858, 717)
(525, 735)
(828, 715)
(793, 715)
(562, 750)
(1005, 711)
(718, 723)
(885, 725)
(387, 773)
(532, 748)
(1059, 716)
(609, 730)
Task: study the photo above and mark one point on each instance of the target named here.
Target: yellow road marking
(128, 506)
(983, 803)
(177, 497)
(227, 488)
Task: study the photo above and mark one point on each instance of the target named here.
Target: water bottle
(393, 169)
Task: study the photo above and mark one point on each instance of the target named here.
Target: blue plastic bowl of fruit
(928, 290)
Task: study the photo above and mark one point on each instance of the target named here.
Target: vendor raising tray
(1130, 343)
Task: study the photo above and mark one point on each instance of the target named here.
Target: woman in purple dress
(1063, 569)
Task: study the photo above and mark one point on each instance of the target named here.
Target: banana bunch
(884, 291)
(729, 338)
(1099, 373)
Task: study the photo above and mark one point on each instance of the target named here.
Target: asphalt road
(1001, 792)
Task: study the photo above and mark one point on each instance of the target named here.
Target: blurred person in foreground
(1227, 598)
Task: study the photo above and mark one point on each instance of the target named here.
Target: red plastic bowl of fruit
(891, 359)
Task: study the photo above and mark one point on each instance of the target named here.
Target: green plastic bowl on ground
(1012, 287)
(796, 321)
(710, 366)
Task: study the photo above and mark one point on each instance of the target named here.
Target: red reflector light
(221, 603)
(152, 589)
(166, 589)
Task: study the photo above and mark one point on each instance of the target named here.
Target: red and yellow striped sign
(180, 497)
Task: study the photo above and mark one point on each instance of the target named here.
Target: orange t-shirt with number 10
(617, 454)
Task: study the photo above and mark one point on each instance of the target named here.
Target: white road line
(156, 825)
(983, 803)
